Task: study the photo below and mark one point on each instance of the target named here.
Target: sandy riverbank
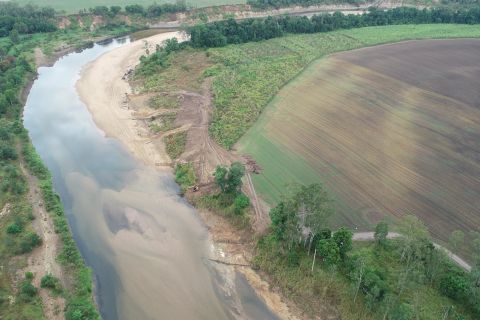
(103, 90)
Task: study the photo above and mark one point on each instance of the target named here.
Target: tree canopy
(221, 33)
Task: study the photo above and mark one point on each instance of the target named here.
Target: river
(147, 247)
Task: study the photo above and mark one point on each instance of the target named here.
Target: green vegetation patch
(170, 71)
(164, 101)
(163, 123)
(175, 144)
(185, 175)
(230, 201)
(252, 73)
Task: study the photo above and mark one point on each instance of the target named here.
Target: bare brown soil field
(391, 130)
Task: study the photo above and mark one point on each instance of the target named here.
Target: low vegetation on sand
(326, 272)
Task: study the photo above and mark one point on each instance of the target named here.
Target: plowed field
(390, 130)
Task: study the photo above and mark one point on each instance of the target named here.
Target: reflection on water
(145, 244)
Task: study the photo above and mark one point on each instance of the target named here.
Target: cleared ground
(392, 129)
(71, 6)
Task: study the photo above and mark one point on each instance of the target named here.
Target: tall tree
(328, 250)
(343, 239)
(230, 179)
(381, 233)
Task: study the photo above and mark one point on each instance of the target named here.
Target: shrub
(185, 175)
(27, 291)
(29, 241)
(329, 251)
(454, 285)
(7, 152)
(49, 281)
(240, 203)
(14, 228)
(80, 309)
(402, 311)
(373, 287)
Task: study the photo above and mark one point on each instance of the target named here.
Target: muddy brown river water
(146, 245)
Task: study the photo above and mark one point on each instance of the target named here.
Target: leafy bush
(29, 241)
(185, 175)
(454, 285)
(13, 180)
(175, 144)
(241, 202)
(49, 281)
(7, 152)
(27, 291)
(14, 228)
(402, 311)
(373, 287)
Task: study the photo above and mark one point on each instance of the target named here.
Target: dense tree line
(264, 4)
(156, 10)
(221, 33)
(151, 11)
(26, 19)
